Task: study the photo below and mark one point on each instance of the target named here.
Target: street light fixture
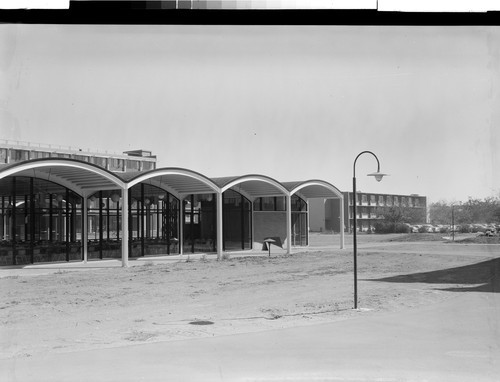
(378, 177)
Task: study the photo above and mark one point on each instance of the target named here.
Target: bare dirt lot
(73, 310)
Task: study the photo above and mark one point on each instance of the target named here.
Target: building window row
(386, 201)
(112, 164)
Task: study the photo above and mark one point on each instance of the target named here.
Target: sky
(289, 102)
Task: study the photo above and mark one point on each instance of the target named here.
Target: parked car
(426, 228)
(479, 228)
(487, 233)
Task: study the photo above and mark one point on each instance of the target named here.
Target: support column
(220, 237)
(181, 226)
(251, 224)
(288, 199)
(125, 232)
(308, 222)
(342, 243)
(85, 227)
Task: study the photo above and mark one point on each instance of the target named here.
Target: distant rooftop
(140, 153)
(24, 145)
(129, 161)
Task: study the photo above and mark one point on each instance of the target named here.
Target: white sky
(290, 102)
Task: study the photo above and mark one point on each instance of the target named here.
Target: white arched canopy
(178, 181)
(311, 189)
(252, 186)
(81, 177)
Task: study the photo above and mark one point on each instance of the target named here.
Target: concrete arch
(163, 186)
(317, 184)
(81, 177)
(256, 191)
(66, 172)
(316, 188)
(194, 182)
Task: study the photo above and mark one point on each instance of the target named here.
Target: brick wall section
(269, 223)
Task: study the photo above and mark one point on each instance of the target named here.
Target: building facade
(370, 207)
(130, 161)
(71, 205)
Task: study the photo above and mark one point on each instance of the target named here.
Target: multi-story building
(325, 213)
(129, 161)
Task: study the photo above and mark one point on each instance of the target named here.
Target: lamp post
(453, 221)
(378, 177)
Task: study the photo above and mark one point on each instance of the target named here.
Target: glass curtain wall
(299, 221)
(104, 225)
(40, 221)
(153, 221)
(237, 221)
(200, 223)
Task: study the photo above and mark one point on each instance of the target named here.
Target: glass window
(132, 165)
(146, 166)
(298, 204)
(380, 200)
(41, 154)
(372, 199)
(389, 200)
(20, 155)
(3, 155)
(280, 203)
(257, 204)
(115, 164)
(99, 161)
(396, 201)
(268, 204)
(237, 221)
(83, 158)
(364, 199)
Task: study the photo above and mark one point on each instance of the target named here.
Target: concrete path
(458, 340)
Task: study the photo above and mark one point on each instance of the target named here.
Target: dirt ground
(73, 310)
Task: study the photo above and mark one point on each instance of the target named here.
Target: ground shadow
(485, 276)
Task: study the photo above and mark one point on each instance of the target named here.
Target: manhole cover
(201, 322)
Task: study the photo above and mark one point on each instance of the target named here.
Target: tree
(401, 214)
(440, 213)
(470, 212)
(496, 214)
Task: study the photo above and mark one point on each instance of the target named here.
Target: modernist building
(325, 214)
(64, 205)
(136, 160)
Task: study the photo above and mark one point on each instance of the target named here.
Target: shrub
(401, 228)
(422, 229)
(464, 229)
(444, 230)
(381, 227)
(385, 227)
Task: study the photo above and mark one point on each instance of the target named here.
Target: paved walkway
(458, 340)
